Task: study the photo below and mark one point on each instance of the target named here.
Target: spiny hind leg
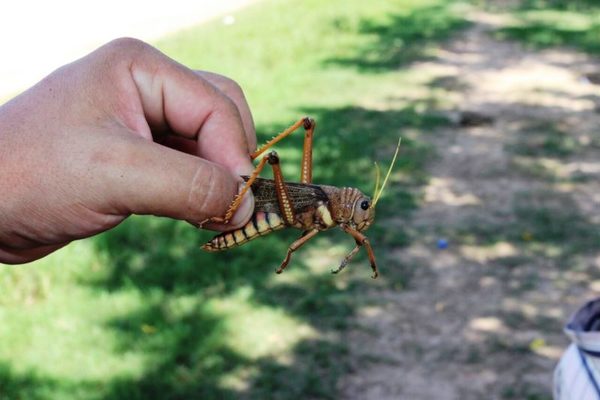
(309, 127)
(306, 236)
(306, 172)
(286, 206)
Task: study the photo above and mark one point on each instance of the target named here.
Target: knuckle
(227, 85)
(229, 106)
(232, 88)
(126, 48)
(126, 44)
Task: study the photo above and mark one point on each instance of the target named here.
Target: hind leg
(306, 175)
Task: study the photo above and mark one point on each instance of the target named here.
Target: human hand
(124, 130)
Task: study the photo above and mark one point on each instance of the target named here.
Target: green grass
(546, 23)
(141, 312)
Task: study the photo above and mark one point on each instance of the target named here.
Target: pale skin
(124, 130)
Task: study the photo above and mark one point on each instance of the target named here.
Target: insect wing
(302, 195)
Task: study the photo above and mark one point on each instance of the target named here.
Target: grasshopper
(305, 206)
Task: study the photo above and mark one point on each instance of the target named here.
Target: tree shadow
(563, 5)
(184, 354)
(188, 356)
(403, 38)
(548, 226)
(165, 255)
(28, 385)
(542, 23)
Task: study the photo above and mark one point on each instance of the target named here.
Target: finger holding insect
(218, 222)
(229, 89)
(177, 100)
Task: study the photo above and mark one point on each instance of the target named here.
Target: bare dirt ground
(483, 318)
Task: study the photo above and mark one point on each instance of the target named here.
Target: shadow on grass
(563, 5)
(28, 385)
(184, 351)
(546, 23)
(404, 38)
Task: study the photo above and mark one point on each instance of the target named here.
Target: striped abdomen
(260, 224)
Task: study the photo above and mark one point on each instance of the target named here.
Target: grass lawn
(141, 312)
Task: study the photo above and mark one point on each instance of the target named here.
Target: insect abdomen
(260, 224)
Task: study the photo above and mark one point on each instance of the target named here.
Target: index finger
(172, 95)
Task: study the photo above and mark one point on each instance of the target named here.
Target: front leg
(363, 240)
(347, 259)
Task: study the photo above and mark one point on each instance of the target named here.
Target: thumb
(147, 178)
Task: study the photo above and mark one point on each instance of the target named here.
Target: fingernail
(244, 212)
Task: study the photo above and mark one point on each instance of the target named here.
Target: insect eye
(365, 204)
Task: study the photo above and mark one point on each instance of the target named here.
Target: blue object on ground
(442, 244)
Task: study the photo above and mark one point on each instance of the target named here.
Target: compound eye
(365, 205)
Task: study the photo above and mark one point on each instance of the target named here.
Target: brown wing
(303, 195)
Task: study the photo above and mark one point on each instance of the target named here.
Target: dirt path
(483, 319)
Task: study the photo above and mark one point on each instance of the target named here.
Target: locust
(303, 205)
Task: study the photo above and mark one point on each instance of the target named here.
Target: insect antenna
(377, 180)
(377, 196)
